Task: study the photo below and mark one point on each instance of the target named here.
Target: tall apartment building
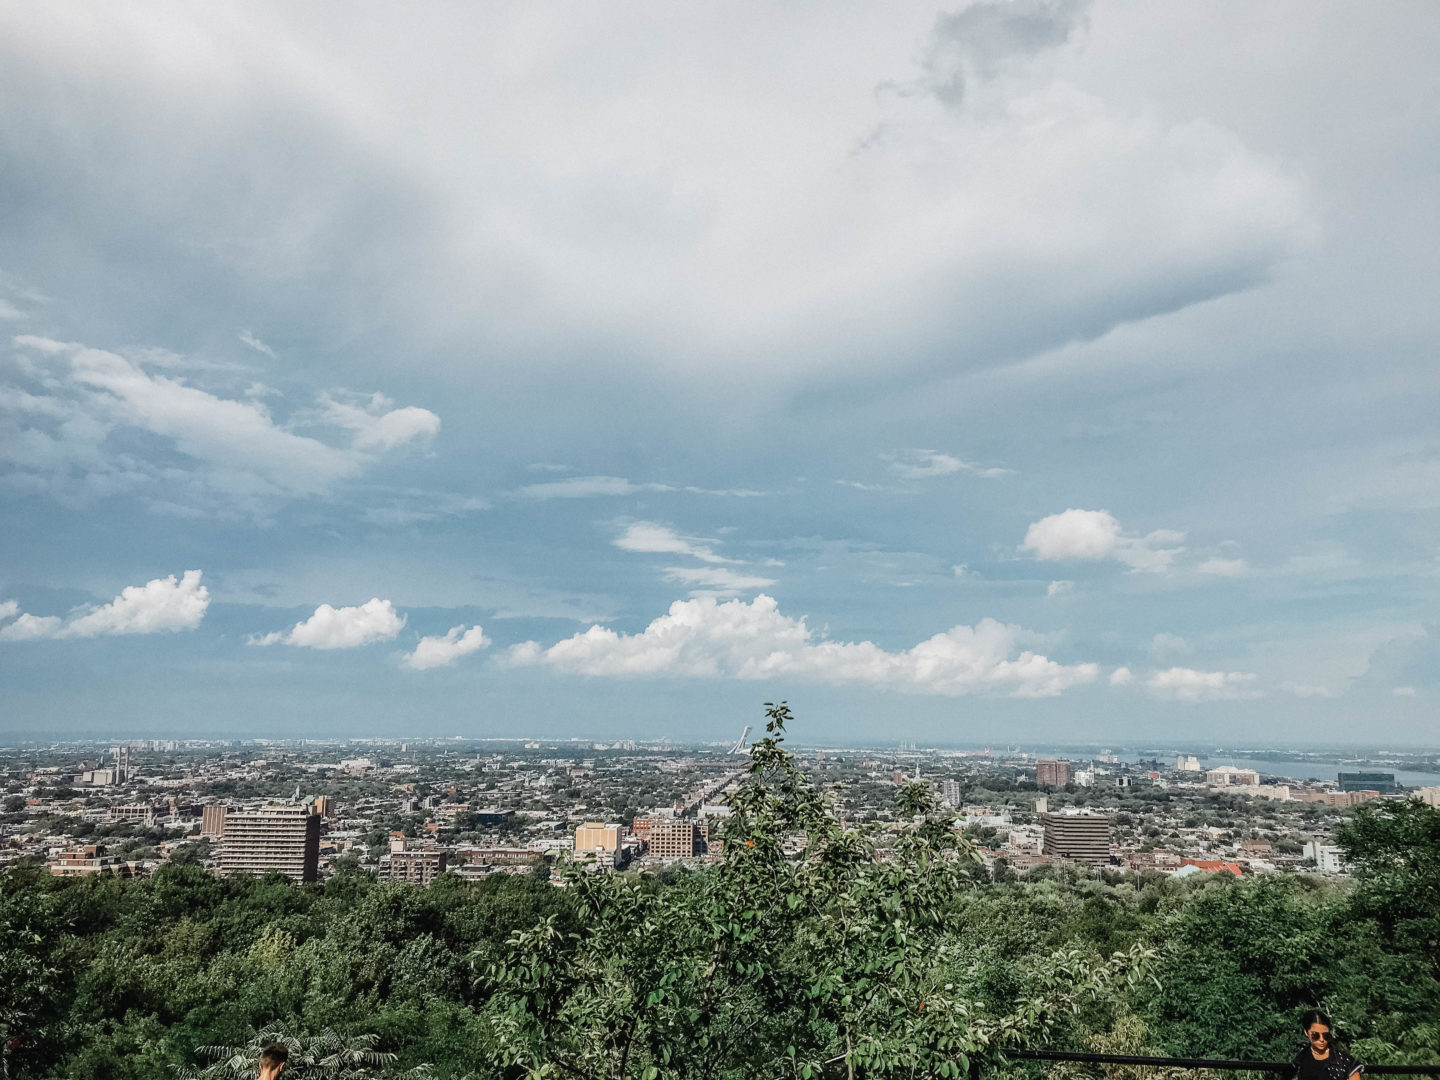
(1082, 837)
(1052, 773)
(282, 838)
(412, 862)
(671, 839)
(642, 825)
(212, 821)
(950, 792)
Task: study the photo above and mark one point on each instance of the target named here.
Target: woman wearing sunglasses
(1323, 1056)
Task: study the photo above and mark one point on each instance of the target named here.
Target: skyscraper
(1052, 773)
(284, 838)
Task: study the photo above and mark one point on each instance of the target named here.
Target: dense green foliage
(887, 945)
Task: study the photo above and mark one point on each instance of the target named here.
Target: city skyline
(1007, 377)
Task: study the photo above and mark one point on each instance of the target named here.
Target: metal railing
(1221, 1064)
(1282, 1068)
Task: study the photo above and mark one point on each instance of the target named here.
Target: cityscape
(410, 811)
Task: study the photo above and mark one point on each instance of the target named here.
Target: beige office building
(598, 836)
(282, 838)
(1082, 837)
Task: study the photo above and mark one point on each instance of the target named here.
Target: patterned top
(1338, 1066)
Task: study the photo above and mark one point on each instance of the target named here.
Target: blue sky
(989, 372)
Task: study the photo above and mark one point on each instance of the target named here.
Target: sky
(1018, 370)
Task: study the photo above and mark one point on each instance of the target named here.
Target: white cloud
(9, 609)
(652, 538)
(225, 451)
(1059, 588)
(1074, 535)
(1403, 691)
(1122, 676)
(32, 628)
(924, 464)
(717, 579)
(249, 339)
(704, 638)
(163, 605)
(588, 487)
(433, 652)
(1224, 567)
(1307, 690)
(1187, 684)
(1163, 645)
(340, 628)
(377, 424)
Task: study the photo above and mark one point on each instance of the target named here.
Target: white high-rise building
(284, 838)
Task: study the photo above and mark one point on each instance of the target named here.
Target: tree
(812, 944)
(1393, 851)
(28, 977)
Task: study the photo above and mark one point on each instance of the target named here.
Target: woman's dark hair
(275, 1054)
(1315, 1016)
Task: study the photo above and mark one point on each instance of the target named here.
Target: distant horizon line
(901, 745)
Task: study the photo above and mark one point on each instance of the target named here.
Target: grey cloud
(272, 170)
(981, 40)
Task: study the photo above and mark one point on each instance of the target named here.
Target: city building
(1051, 773)
(674, 839)
(1230, 776)
(1430, 795)
(641, 826)
(1187, 763)
(416, 863)
(212, 821)
(950, 792)
(324, 805)
(1326, 857)
(284, 838)
(1345, 799)
(1382, 783)
(83, 860)
(598, 836)
(1081, 837)
(134, 814)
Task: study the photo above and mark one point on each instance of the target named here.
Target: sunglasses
(1317, 1036)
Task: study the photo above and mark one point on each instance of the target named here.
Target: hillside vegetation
(872, 952)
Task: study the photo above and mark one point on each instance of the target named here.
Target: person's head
(272, 1061)
(1318, 1030)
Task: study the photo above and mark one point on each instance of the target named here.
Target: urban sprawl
(410, 811)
